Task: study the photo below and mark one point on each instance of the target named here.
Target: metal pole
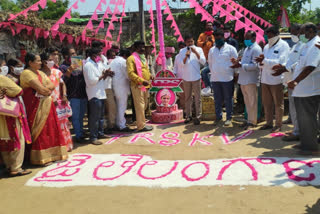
(142, 25)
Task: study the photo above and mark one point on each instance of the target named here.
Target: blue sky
(132, 5)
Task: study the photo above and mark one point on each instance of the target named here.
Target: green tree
(307, 16)
(9, 5)
(52, 11)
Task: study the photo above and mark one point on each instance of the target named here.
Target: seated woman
(48, 144)
(14, 131)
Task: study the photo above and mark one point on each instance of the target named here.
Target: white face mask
(50, 64)
(18, 70)
(273, 40)
(295, 38)
(4, 70)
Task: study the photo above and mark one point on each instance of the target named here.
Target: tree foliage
(9, 5)
(52, 11)
(307, 16)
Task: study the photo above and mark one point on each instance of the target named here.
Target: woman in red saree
(48, 144)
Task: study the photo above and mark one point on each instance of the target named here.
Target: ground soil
(18, 198)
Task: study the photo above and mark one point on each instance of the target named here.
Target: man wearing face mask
(94, 74)
(206, 41)
(76, 92)
(222, 74)
(274, 53)
(191, 60)
(248, 77)
(229, 39)
(288, 73)
(306, 90)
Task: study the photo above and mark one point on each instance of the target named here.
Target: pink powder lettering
(62, 169)
(116, 137)
(151, 163)
(188, 178)
(226, 140)
(127, 165)
(145, 136)
(166, 139)
(245, 161)
(290, 170)
(196, 139)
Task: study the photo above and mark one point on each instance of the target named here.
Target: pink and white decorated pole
(160, 33)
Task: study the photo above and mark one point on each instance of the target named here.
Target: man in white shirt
(287, 70)
(248, 77)
(191, 60)
(306, 90)
(169, 51)
(275, 52)
(94, 75)
(178, 71)
(222, 74)
(121, 87)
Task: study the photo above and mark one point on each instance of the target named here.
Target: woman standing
(48, 142)
(14, 131)
(59, 95)
(15, 70)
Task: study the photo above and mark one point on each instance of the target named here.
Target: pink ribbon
(160, 33)
(153, 36)
(138, 67)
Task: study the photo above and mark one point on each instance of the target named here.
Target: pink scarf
(138, 67)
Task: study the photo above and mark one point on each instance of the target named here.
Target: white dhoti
(121, 92)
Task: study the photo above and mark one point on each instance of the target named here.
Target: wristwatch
(295, 83)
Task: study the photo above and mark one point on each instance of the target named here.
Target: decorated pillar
(160, 34)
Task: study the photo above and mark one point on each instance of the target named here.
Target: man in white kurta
(191, 60)
(121, 87)
(275, 52)
(306, 90)
(287, 71)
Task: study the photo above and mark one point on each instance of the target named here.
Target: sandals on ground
(22, 172)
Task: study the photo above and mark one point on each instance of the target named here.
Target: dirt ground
(18, 198)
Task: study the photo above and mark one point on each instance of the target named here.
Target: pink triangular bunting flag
(70, 39)
(46, 34)
(43, 3)
(94, 16)
(90, 25)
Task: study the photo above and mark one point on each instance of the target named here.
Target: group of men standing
(258, 67)
(217, 53)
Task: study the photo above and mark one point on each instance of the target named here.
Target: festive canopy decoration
(284, 18)
(243, 18)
